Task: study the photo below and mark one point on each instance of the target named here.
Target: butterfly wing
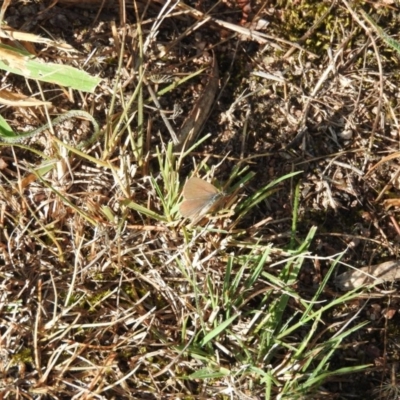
(193, 208)
(196, 188)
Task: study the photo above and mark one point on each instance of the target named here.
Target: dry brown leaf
(20, 100)
(14, 60)
(27, 180)
(390, 312)
(10, 33)
(391, 203)
(3, 164)
(197, 117)
(373, 274)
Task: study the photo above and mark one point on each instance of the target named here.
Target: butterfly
(199, 198)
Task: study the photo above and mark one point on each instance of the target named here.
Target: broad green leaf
(22, 63)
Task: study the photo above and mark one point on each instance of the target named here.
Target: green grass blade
(217, 331)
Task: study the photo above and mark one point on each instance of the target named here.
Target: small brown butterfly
(199, 198)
